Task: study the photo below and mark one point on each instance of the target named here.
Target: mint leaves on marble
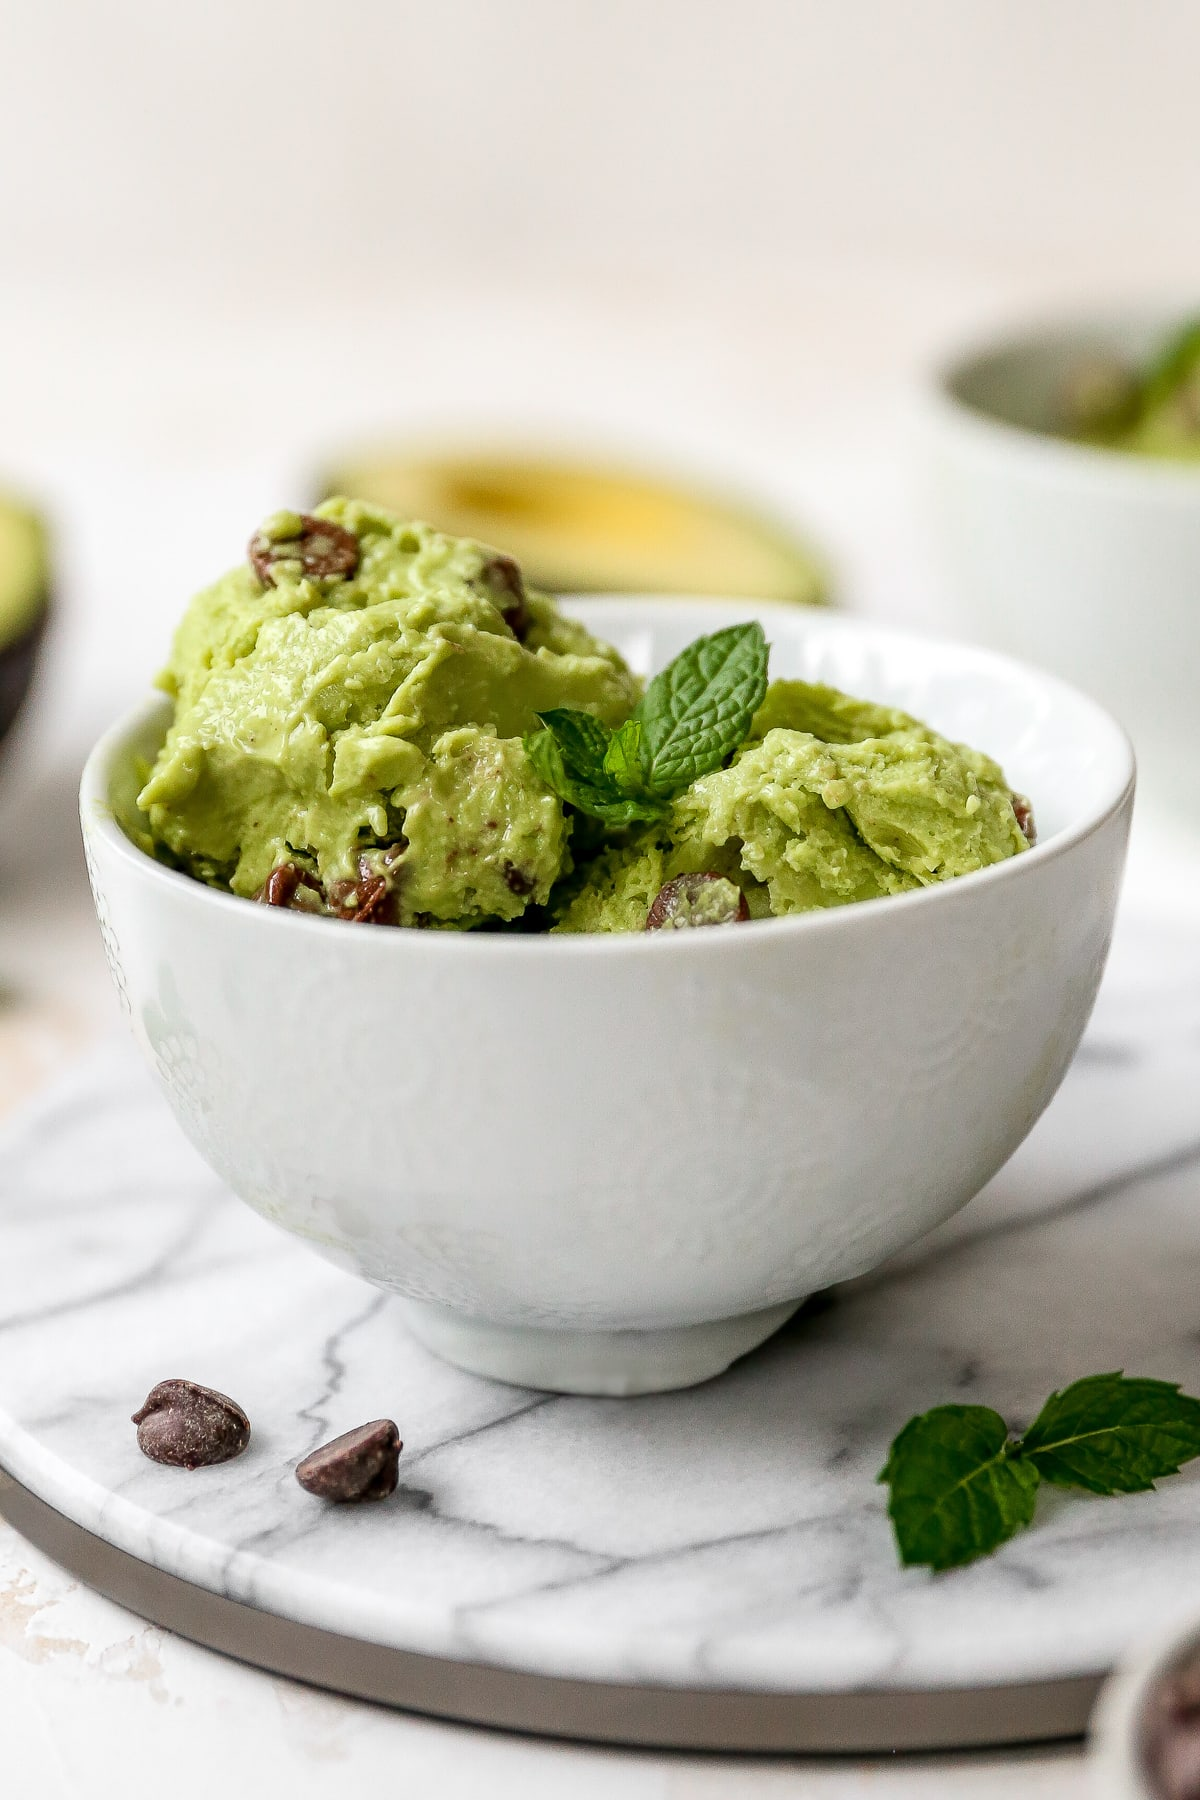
(960, 1485)
(1112, 1434)
(957, 1489)
(693, 716)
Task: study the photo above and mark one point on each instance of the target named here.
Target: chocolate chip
(360, 1465)
(517, 881)
(319, 546)
(695, 900)
(376, 902)
(503, 577)
(371, 900)
(1023, 808)
(282, 885)
(190, 1426)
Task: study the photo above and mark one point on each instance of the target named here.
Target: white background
(374, 139)
(727, 233)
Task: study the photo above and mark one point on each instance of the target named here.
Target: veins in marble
(426, 1501)
(334, 1364)
(1097, 1194)
(161, 1268)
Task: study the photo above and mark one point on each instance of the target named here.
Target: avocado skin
(17, 662)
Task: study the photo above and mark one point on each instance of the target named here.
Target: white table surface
(121, 408)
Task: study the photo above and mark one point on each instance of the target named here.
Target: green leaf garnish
(623, 757)
(569, 755)
(582, 739)
(956, 1492)
(960, 1485)
(698, 711)
(1113, 1435)
(693, 716)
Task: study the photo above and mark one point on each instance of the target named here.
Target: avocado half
(576, 528)
(24, 603)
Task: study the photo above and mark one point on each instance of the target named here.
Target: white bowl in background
(1118, 1733)
(1081, 559)
(613, 1164)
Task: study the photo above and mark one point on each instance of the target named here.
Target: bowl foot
(592, 1362)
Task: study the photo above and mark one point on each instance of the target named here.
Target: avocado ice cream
(1150, 409)
(831, 800)
(371, 720)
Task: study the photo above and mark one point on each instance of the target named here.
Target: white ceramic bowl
(1118, 1730)
(614, 1164)
(1084, 560)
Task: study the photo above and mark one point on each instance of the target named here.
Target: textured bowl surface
(566, 1142)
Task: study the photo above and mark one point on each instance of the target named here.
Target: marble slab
(732, 1536)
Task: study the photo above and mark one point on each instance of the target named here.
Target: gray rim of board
(604, 1712)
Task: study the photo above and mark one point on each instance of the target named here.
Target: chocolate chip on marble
(363, 1464)
(700, 899)
(319, 546)
(190, 1426)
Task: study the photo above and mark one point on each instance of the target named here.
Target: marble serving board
(729, 1537)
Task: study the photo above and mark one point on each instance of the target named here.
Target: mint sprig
(571, 753)
(961, 1485)
(698, 711)
(956, 1492)
(692, 716)
(1113, 1435)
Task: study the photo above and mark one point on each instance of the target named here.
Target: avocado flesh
(578, 529)
(24, 594)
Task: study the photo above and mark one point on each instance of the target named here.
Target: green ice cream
(323, 719)
(832, 800)
(1152, 410)
(361, 721)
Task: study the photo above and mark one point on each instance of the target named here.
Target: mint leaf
(582, 739)
(960, 1486)
(956, 1489)
(569, 754)
(691, 717)
(698, 710)
(1113, 1435)
(623, 758)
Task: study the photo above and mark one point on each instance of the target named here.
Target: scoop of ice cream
(355, 710)
(833, 800)
(329, 705)
(1152, 410)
